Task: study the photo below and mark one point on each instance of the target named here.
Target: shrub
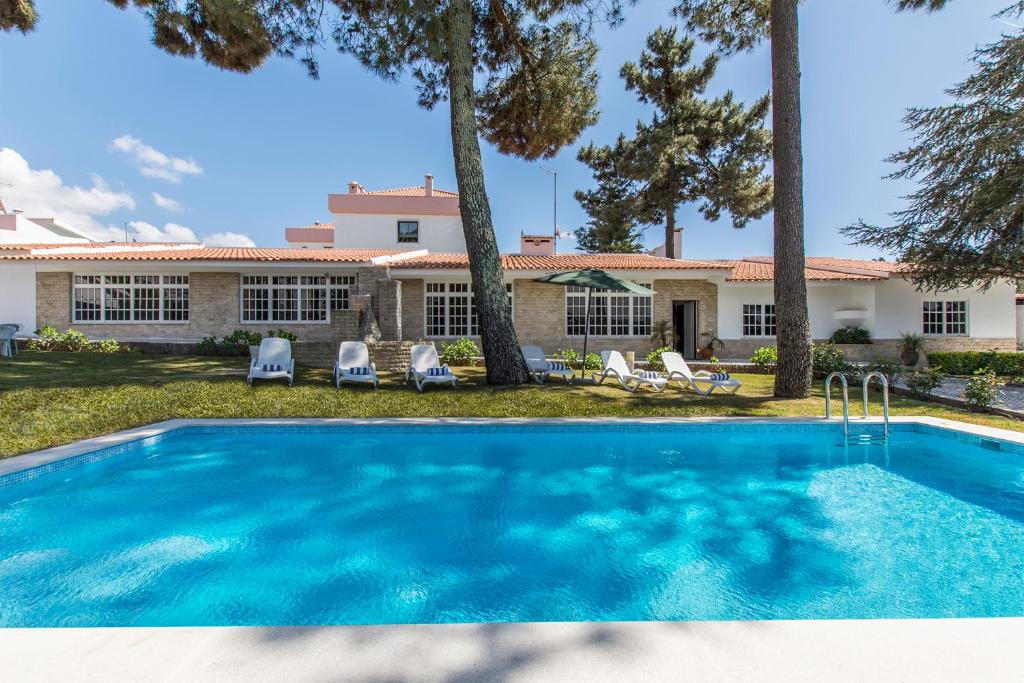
(282, 334)
(654, 361)
(237, 343)
(766, 358)
(571, 357)
(891, 369)
(851, 334)
(46, 339)
(461, 352)
(73, 341)
(923, 382)
(969, 362)
(207, 347)
(982, 389)
(829, 358)
(106, 346)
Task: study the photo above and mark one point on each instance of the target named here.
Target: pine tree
(521, 74)
(707, 151)
(964, 225)
(738, 26)
(612, 227)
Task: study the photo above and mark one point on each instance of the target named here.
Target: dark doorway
(684, 327)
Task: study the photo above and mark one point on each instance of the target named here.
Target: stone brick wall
(539, 313)
(214, 312)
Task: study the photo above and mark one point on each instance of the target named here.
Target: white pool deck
(838, 650)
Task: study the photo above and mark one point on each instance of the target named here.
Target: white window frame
(603, 300)
(762, 316)
(472, 327)
(945, 320)
(332, 284)
(164, 282)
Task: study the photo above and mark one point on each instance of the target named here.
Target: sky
(100, 129)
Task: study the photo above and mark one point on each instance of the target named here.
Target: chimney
(355, 188)
(536, 245)
(428, 185)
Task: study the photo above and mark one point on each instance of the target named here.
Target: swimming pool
(383, 524)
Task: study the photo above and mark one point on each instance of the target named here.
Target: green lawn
(52, 398)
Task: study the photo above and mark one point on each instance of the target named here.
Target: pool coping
(839, 650)
(46, 456)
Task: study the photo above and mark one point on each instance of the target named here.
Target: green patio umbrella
(592, 279)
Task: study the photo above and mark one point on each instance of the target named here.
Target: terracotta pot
(707, 352)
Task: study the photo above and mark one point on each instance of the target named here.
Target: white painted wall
(990, 314)
(368, 231)
(17, 229)
(18, 296)
(891, 307)
(1020, 323)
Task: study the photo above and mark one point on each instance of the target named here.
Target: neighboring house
(401, 254)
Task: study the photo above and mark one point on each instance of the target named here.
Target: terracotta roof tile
(412, 191)
(560, 262)
(208, 254)
(315, 226)
(762, 269)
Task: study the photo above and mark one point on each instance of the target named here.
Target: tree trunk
(504, 360)
(793, 372)
(670, 233)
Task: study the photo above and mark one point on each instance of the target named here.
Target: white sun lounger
(273, 361)
(425, 368)
(701, 381)
(353, 365)
(541, 368)
(614, 365)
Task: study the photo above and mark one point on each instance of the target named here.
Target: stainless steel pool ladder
(846, 401)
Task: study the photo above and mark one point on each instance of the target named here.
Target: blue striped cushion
(557, 365)
(436, 372)
(272, 367)
(357, 371)
(648, 374)
(719, 376)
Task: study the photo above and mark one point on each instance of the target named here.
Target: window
(612, 314)
(759, 320)
(408, 231)
(944, 317)
(293, 298)
(130, 298)
(449, 309)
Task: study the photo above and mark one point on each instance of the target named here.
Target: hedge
(967, 362)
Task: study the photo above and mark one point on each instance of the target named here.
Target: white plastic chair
(614, 365)
(353, 365)
(541, 368)
(8, 345)
(274, 361)
(701, 381)
(425, 368)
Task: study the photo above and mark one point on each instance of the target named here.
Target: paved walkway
(1010, 398)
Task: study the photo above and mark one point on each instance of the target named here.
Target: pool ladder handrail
(846, 401)
(885, 399)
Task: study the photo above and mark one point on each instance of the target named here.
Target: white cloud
(168, 203)
(153, 163)
(42, 193)
(228, 239)
(172, 232)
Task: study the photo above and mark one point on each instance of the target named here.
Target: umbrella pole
(586, 334)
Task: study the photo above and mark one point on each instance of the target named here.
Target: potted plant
(708, 350)
(911, 345)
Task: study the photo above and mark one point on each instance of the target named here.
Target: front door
(684, 326)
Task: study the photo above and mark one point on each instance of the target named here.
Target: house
(398, 258)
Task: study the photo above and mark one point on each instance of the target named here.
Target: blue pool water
(375, 525)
